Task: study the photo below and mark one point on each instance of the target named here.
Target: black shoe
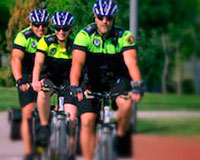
(43, 136)
(124, 146)
(29, 157)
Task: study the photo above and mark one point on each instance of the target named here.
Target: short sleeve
(42, 46)
(128, 41)
(20, 42)
(81, 41)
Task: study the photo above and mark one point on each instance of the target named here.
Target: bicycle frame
(59, 147)
(107, 130)
(60, 127)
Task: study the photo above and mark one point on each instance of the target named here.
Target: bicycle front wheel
(62, 140)
(106, 144)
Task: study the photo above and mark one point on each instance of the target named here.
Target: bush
(6, 78)
(188, 86)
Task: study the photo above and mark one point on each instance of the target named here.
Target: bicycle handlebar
(100, 95)
(49, 85)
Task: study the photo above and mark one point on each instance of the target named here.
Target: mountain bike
(107, 129)
(59, 144)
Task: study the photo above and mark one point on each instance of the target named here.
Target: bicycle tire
(62, 146)
(52, 150)
(106, 144)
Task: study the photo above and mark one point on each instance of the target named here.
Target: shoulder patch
(28, 33)
(130, 39)
(91, 28)
(51, 39)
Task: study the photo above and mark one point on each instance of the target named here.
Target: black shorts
(57, 80)
(27, 97)
(119, 85)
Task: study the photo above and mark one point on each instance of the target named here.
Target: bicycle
(59, 146)
(107, 129)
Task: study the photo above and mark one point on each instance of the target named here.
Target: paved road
(168, 114)
(10, 150)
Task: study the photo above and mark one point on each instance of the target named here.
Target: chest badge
(53, 51)
(96, 42)
(33, 44)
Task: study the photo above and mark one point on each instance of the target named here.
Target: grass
(8, 98)
(155, 101)
(189, 127)
(150, 101)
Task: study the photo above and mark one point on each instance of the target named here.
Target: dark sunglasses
(65, 29)
(40, 24)
(109, 18)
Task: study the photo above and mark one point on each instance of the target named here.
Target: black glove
(137, 87)
(74, 90)
(20, 82)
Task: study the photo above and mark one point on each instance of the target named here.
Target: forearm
(78, 61)
(36, 72)
(130, 59)
(16, 66)
(39, 60)
(75, 74)
(134, 73)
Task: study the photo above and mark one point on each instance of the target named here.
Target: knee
(43, 95)
(124, 104)
(88, 122)
(71, 110)
(27, 111)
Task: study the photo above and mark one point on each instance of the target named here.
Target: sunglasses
(40, 24)
(65, 28)
(109, 18)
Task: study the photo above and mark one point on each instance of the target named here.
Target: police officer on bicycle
(22, 61)
(53, 61)
(110, 56)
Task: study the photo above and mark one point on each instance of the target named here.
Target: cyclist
(110, 56)
(53, 60)
(22, 61)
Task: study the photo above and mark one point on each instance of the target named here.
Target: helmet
(62, 19)
(39, 16)
(105, 7)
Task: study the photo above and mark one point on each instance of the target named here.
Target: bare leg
(25, 132)
(43, 103)
(88, 135)
(123, 114)
(72, 110)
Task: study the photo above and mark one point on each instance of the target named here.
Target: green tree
(19, 18)
(4, 10)
(169, 19)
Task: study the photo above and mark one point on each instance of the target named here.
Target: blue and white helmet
(62, 19)
(39, 16)
(105, 7)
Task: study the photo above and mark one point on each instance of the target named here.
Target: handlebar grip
(45, 88)
(29, 86)
(87, 94)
